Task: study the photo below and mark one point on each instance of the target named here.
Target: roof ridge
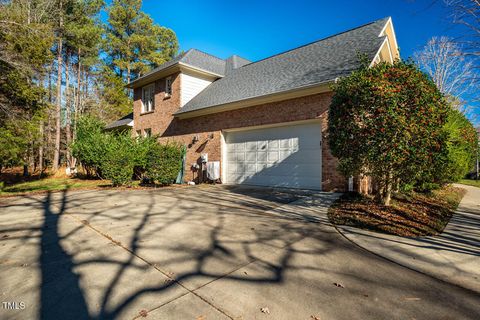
(319, 40)
(206, 53)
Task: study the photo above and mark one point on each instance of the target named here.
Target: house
(265, 121)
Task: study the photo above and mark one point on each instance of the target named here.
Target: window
(147, 133)
(168, 87)
(148, 98)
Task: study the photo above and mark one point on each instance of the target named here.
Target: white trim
(393, 30)
(200, 70)
(223, 157)
(378, 52)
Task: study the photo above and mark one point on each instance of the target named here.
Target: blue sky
(258, 29)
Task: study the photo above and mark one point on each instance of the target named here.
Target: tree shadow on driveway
(112, 254)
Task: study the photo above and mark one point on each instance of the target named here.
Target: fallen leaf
(201, 318)
(265, 310)
(315, 317)
(413, 299)
(337, 284)
(143, 313)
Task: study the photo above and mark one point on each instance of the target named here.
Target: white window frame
(168, 87)
(148, 98)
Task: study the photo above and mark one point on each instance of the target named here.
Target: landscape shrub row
(120, 157)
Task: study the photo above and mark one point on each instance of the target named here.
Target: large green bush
(118, 159)
(387, 122)
(163, 162)
(119, 156)
(90, 144)
(462, 144)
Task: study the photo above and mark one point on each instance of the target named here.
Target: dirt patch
(411, 215)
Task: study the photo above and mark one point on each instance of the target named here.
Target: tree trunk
(77, 103)
(387, 189)
(58, 111)
(68, 133)
(40, 149)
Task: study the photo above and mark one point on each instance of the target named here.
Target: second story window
(148, 98)
(168, 87)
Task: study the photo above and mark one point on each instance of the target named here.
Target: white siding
(191, 86)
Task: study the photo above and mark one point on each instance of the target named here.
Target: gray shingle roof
(120, 122)
(314, 63)
(192, 57)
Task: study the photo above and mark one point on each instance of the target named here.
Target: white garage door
(285, 156)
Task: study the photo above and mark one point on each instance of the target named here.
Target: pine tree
(134, 43)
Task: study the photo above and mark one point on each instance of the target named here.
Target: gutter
(306, 90)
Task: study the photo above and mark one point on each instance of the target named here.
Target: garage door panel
(286, 156)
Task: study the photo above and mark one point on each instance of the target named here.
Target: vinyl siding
(190, 87)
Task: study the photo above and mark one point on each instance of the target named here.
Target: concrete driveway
(207, 252)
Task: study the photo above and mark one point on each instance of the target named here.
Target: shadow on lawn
(229, 226)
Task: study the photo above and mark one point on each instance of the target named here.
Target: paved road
(202, 253)
(453, 256)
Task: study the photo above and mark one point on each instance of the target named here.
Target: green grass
(468, 182)
(51, 184)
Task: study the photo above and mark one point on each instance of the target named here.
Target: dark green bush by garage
(163, 163)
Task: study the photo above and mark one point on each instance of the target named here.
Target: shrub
(462, 145)
(387, 122)
(163, 162)
(118, 159)
(119, 156)
(90, 144)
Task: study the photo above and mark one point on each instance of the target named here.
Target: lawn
(51, 184)
(469, 182)
(412, 215)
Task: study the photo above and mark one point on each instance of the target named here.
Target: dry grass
(412, 215)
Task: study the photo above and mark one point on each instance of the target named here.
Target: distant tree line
(59, 61)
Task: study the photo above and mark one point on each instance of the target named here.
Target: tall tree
(58, 102)
(25, 40)
(444, 61)
(134, 43)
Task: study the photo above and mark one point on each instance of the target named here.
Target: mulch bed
(410, 215)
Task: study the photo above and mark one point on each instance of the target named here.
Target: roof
(194, 58)
(314, 63)
(125, 121)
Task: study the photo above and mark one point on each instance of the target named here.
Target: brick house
(265, 121)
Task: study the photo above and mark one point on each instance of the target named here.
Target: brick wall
(208, 128)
